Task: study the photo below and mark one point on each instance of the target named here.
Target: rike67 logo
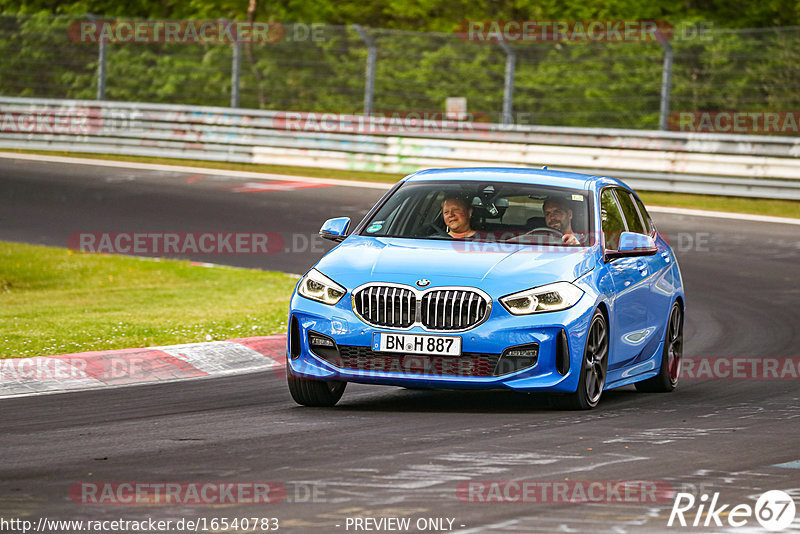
(774, 510)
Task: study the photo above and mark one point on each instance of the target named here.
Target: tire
(594, 366)
(309, 392)
(667, 378)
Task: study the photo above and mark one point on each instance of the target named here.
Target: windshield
(485, 211)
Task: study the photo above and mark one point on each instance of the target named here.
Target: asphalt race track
(390, 452)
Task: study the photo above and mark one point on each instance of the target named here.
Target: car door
(630, 323)
(662, 286)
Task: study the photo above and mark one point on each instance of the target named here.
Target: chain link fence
(314, 67)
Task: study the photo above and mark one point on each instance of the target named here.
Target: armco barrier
(715, 164)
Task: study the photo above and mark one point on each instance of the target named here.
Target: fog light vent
(517, 358)
(316, 340)
(322, 345)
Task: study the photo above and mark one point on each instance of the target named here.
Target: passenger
(558, 216)
(456, 214)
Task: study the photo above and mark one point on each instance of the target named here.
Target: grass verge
(55, 301)
(757, 206)
(313, 172)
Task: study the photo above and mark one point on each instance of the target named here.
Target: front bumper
(558, 335)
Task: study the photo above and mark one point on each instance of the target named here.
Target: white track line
(193, 170)
(346, 183)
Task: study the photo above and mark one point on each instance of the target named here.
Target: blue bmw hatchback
(487, 278)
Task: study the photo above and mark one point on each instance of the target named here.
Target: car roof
(572, 180)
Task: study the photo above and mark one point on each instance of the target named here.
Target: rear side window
(612, 221)
(635, 224)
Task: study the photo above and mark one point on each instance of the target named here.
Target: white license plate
(416, 344)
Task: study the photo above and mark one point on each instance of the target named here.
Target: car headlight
(552, 297)
(317, 286)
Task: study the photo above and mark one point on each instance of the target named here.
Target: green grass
(55, 301)
(364, 176)
(777, 208)
(759, 206)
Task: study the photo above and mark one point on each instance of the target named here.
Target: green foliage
(33, 61)
(427, 15)
(567, 83)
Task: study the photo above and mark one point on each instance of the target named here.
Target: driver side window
(612, 221)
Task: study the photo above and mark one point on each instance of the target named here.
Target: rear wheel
(314, 392)
(592, 377)
(667, 378)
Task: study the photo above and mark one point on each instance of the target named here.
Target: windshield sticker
(577, 198)
(374, 227)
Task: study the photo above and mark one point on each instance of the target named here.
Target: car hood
(362, 259)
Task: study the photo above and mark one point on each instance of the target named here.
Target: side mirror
(335, 229)
(632, 244)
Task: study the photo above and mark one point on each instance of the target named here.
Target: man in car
(558, 216)
(456, 214)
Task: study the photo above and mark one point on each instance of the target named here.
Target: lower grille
(365, 359)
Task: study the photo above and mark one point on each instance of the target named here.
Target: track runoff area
(215, 448)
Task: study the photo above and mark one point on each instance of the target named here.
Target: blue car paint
(635, 346)
(361, 259)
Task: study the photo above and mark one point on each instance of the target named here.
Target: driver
(456, 214)
(558, 216)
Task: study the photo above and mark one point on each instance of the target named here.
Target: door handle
(665, 255)
(642, 266)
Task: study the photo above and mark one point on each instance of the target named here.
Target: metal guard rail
(712, 164)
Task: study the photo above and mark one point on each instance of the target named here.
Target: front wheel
(592, 378)
(667, 378)
(314, 392)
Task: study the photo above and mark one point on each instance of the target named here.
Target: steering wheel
(438, 230)
(553, 234)
(546, 229)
